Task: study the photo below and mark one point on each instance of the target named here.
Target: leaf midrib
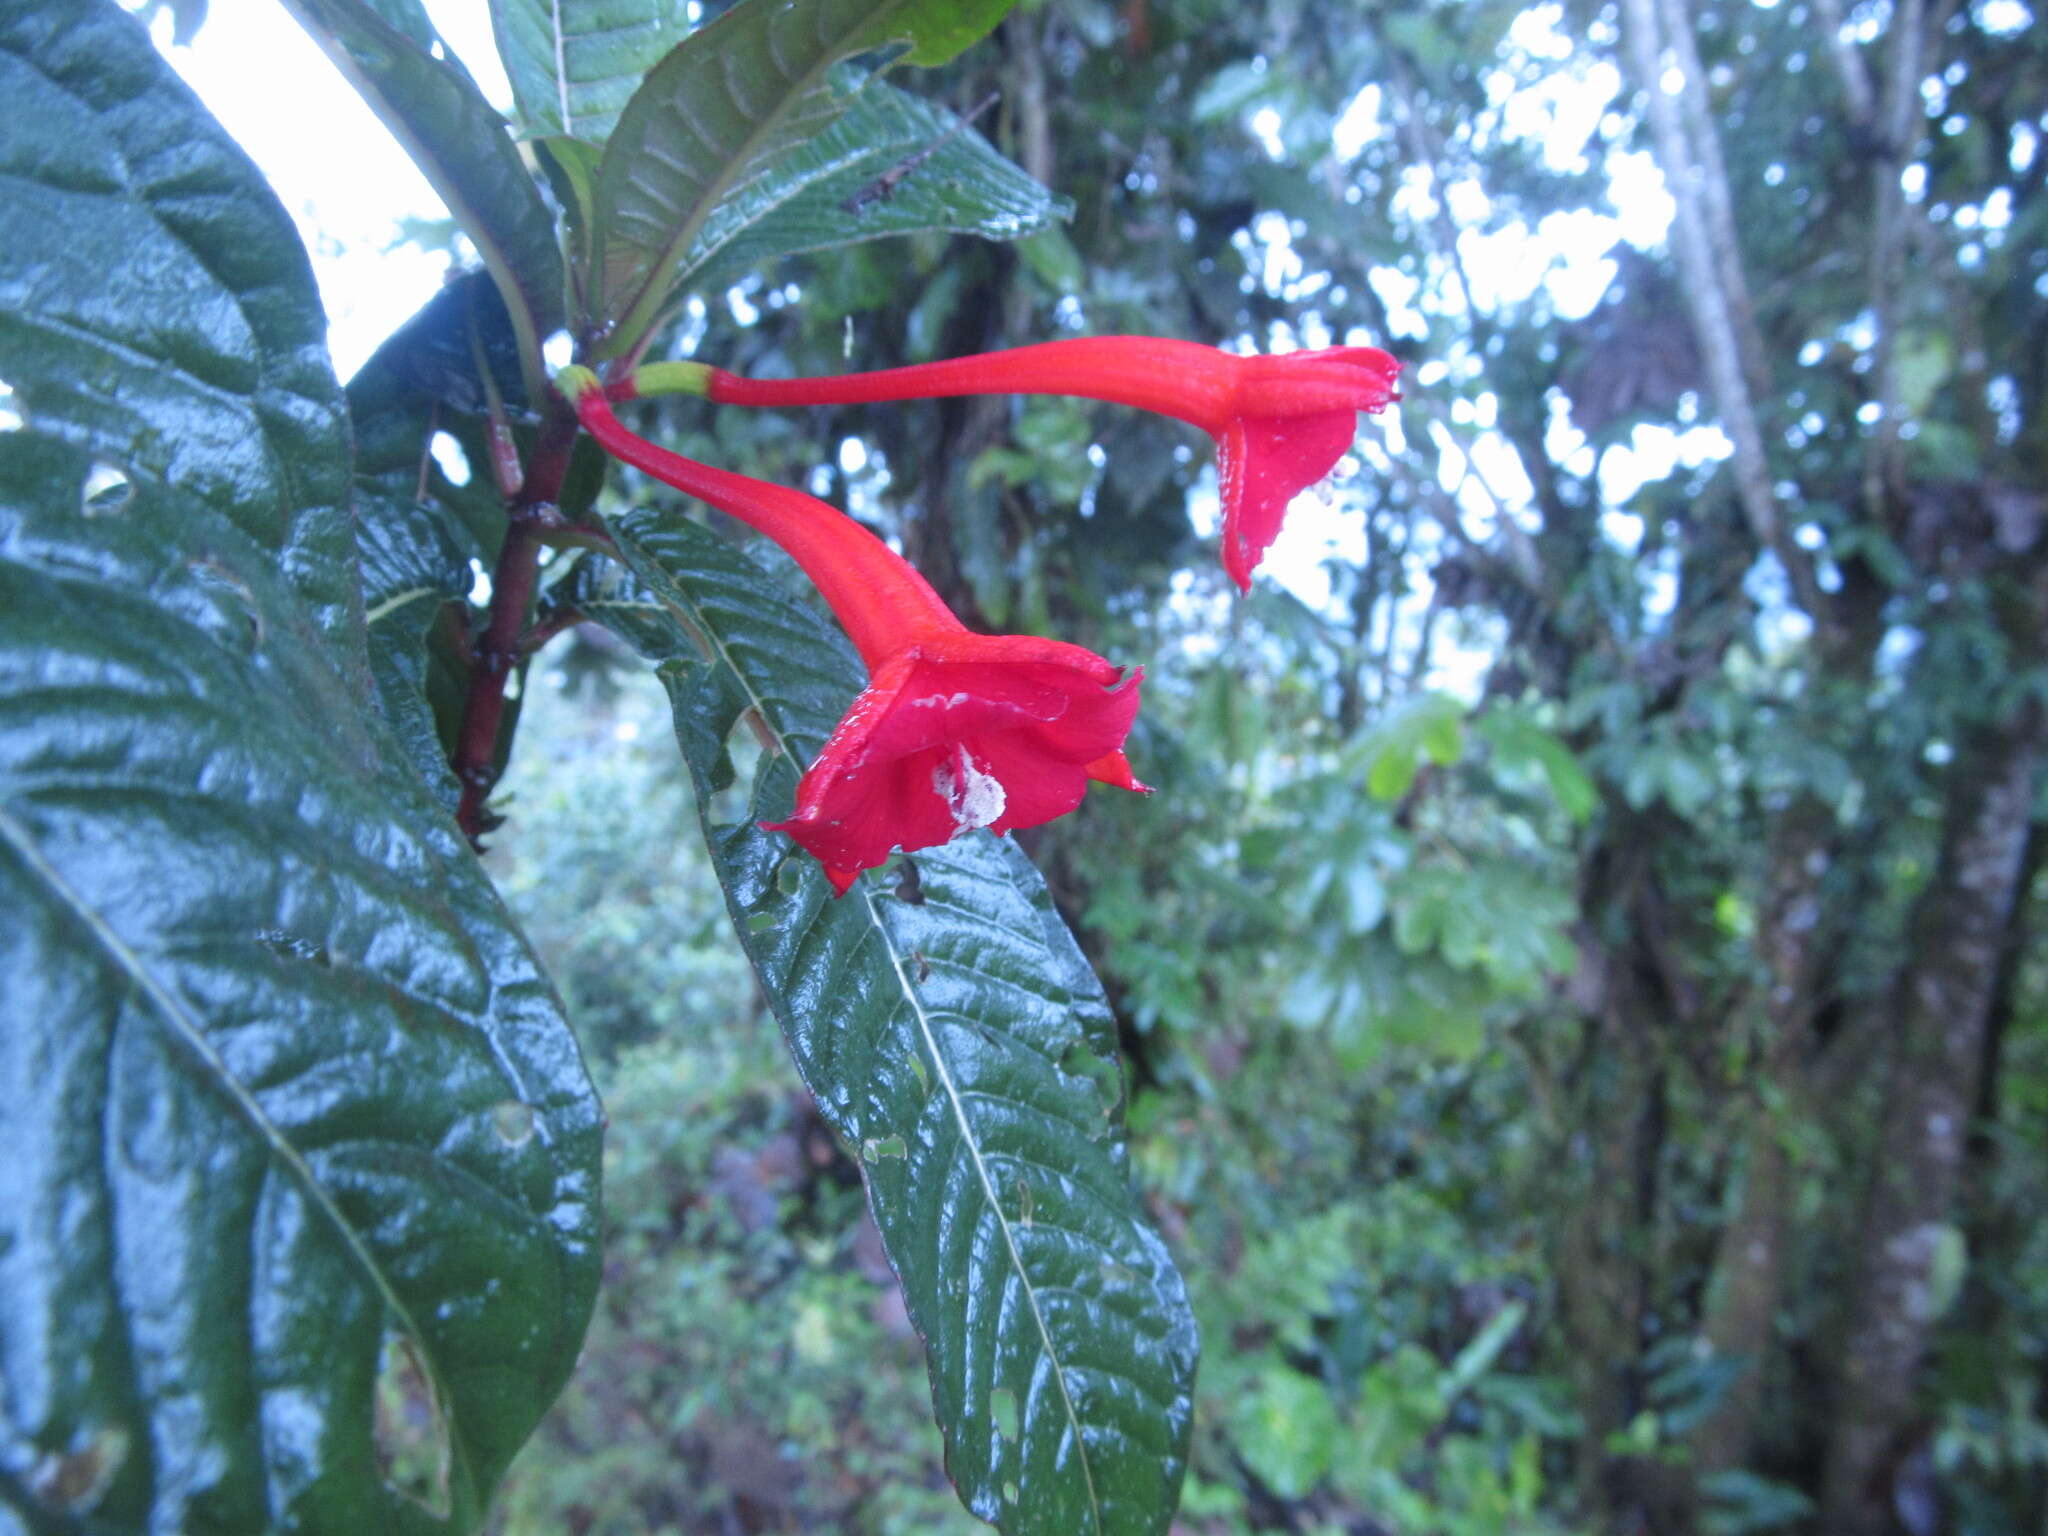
(954, 1097)
(649, 297)
(172, 1009)
(561, 67)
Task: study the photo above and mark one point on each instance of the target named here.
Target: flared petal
(1280, 421)
(968, 731)
(1114, 768)
(1262, 464)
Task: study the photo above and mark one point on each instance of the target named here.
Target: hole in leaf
(76, 1480)
(1104, 1076)
(449, 454)
(513, 1121)
(1026, 1205)
(451, 457)
(924, 1080)
(282, 941)
(790, 877)
(479, 584)
(410, 1432)
(1002, 1407)
(770, 744)
(107, 491)
(909, 884)
(761, 922)
(882, 1146)
(1010, 1491)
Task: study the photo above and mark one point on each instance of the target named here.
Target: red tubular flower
(955, 730)
(1280, 423)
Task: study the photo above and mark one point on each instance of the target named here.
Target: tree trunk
(1939, 1008)
(1603, 1253)
(1749, 1266)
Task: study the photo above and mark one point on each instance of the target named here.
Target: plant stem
(547, 626)
(499, 648)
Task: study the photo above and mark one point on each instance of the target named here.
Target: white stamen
(975, 798)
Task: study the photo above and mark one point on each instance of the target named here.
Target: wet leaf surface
(268, 1257)
(720, 133)
(958, 1043)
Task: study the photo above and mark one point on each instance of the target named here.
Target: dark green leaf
(695, 152)
(420, 538)
(571, 169)
(574, 63)
(463, 147)
(287, 1094)
(455, 352)
(156, 307)
(863, 179)
(958, 1042)
(300, 1223)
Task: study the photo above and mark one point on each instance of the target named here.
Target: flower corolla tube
(1280, 423)
(954, 730)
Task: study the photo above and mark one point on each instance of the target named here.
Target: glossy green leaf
(147, 280)
(460, 143)
(956, 1039)
(420, 538)
(287, 1094)
(574, 63)
(703, 138)
(894, 164)
(300, 1223)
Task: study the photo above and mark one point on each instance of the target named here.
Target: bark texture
(1939, 1010)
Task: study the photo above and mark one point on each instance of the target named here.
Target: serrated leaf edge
(954, 1099)
(973, 1145)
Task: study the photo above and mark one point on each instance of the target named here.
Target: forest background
(1580, 977)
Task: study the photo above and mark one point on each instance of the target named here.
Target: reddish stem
(547, 626)
(498, 649)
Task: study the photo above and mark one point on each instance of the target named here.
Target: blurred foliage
(1450, 955)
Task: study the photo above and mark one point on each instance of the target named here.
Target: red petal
(1115, 768)
(854, 818)
(1262, 464)
(996, 731)
(1036, 788)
